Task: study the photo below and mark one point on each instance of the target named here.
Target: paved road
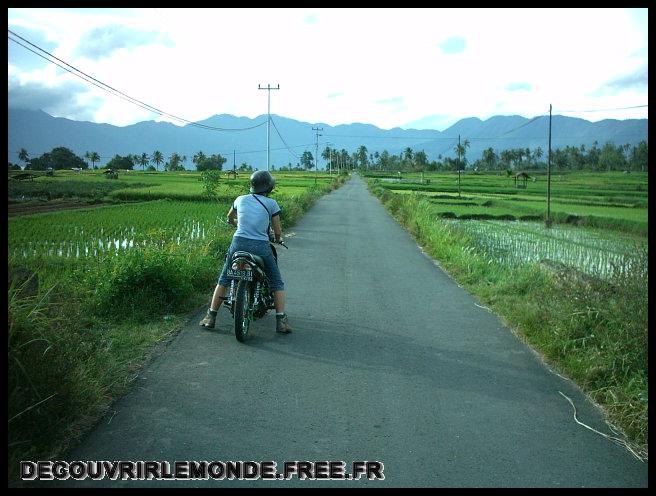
(390, 361)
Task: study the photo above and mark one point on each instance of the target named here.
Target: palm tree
(538, 153)
(408, 154)
(158, 158)
(174, 163)
(461, 150)
(361, 155)
(506, 157)
(198, 159)
(92, 157)
(489, 157)
(143, 160)
(23, 156)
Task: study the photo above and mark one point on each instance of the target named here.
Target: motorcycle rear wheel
(243, 302)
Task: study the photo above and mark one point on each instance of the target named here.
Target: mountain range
(39, 132)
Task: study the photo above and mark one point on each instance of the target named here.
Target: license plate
(244, 274)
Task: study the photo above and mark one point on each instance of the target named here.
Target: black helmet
(262, 182)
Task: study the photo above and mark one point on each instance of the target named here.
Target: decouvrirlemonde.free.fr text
(201, 470)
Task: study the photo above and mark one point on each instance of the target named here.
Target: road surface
(390, 361)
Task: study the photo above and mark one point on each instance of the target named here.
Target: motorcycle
(249, 297)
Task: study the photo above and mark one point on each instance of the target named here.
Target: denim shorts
(256, 247)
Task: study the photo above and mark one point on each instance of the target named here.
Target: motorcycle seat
(244, 254)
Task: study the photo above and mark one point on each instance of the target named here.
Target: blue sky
(422, 68)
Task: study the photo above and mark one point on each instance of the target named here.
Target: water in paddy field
(83, 244)
(593, 251)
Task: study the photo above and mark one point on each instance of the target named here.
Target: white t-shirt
(252, 218)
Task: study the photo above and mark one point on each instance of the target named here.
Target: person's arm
(277, 228)
(232, 217)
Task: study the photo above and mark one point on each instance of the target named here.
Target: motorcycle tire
(243, 302)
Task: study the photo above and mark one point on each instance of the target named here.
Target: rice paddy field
(600, 220)
(146, 185)
(113, 229)
(153, 208)
(592, 251)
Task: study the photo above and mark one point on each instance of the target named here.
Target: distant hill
(39, 132)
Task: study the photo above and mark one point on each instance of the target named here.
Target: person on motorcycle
(254, 213)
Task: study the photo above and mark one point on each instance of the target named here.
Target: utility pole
(268, 88)
(458, 166)
(548, 222)
(234, 163)
(316, 150)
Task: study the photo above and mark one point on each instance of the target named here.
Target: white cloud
(337, 65)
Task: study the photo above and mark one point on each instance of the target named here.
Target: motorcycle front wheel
(243, 302)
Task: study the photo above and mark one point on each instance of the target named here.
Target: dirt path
(14, 209)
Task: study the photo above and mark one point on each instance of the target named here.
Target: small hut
(232, 173)
(524, 177)
(111, 174)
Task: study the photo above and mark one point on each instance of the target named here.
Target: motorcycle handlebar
(281, 242)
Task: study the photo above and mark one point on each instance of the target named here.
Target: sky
(411, 68)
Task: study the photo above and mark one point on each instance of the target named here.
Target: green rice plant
(593, 252)
(112, 229)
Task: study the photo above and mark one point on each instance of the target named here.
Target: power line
(450, 146)
(289, 148)
(103, 86)
(604, 110)
(283, 140)
(429, 138)
(379, 137)
(523, 125)
(276, 149)
(485, 138)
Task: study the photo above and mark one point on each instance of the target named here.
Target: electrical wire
(294, 154)
(603, 110)
(92, 80)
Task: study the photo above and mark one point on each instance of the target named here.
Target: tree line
(63, 158)
(606, 158)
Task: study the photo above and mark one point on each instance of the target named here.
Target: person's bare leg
(279, 301)
(217, 300)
